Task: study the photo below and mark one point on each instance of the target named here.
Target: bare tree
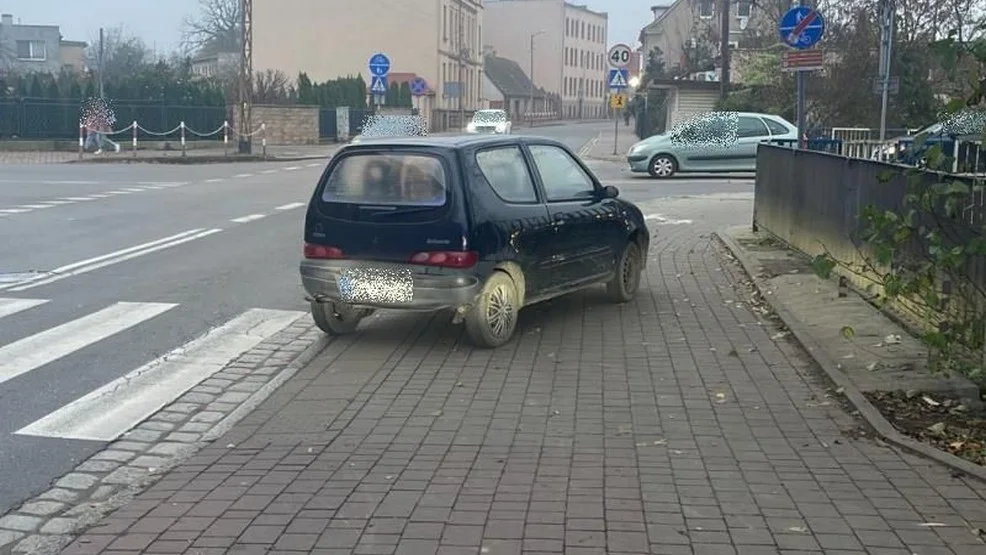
(216, 28)
(124, 54)
(270, 87)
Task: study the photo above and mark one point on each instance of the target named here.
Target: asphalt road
(192, 247)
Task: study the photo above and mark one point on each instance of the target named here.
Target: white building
(562, 47)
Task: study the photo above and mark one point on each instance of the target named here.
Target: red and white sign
(803, 60)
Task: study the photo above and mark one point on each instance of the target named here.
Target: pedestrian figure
(97, 121)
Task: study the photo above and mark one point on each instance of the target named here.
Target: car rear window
(400, 179)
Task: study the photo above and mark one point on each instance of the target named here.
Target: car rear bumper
(420, 288)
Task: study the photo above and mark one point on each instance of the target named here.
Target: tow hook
(460, 314)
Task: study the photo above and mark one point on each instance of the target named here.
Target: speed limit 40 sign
(619, 56)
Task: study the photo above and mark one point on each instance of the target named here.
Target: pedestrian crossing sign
(378, 85)
(619, 79)
(618, 101)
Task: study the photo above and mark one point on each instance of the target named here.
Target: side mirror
(610, 191)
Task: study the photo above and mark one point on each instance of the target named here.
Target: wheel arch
(639, 236)
(512, 269)
(677, 164)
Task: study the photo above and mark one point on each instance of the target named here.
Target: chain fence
(182, 131)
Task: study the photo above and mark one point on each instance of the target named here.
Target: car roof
(454, 142)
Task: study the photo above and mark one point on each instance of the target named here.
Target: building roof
(507, 76)
(79, 43)
(668, 8)
(586, 9)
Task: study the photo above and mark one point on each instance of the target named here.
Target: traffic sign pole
(801, 28)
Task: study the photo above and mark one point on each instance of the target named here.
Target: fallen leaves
(938, 421)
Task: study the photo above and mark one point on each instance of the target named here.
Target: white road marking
(242, 175)
(50, 345)
(88, 265)
(214, 180)
(13, 306)
(153, 187)
(111, 410)
(314, 165)
(164, 183)
(661, 220)
(135, 189)
(15, 210)
(99, 195)
(77, 199)
(292, 168)
(290, 206)
(35, 206)
(268, 172)
(57, 202)
(118, 192)
(48, 182)
(245, 219)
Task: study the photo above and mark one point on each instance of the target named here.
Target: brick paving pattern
(680, 424)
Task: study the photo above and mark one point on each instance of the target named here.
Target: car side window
(506, 171)
(561, 175)
(776, 128)
(750, 127)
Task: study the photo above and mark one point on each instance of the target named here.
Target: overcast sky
(158, 22)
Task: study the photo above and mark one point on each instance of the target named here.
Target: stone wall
(286, 125)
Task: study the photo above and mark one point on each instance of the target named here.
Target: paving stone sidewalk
(679, 424)
(274, 152)
(602, 148)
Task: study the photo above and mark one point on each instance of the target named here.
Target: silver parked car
(711, 142)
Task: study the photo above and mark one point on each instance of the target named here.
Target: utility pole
(887, 20)
(802, 104)
(461, 50)
(102, 54)
(246, 76)
(530, 103)
(724, 49)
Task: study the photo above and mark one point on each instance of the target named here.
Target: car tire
(492, 320)
(625, 283)
(337, 318)
(662, 166)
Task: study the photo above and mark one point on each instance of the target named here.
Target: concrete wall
(286, 125)
(334, 38)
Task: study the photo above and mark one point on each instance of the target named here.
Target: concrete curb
(873, 417)
(198, 159)
(258, 398)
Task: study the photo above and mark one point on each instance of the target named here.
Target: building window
(445, 23)
(33, 50)
(733, 44)
(744, 8)
(583, 30)
(705, 8)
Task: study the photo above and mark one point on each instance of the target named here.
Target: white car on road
(490, 121)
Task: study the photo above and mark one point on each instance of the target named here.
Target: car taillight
(323, 252)
(447, 259)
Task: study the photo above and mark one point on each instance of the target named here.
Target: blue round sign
(419, 87)
(379, 64)
(801, 27)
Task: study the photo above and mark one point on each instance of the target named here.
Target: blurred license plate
(376, 285)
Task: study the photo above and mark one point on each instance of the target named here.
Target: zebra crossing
(107, 412)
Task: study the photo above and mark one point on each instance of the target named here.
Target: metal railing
(968, 155)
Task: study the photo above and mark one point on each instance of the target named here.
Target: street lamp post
(530, 104)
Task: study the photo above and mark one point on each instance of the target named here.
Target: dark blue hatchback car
(480, 225)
